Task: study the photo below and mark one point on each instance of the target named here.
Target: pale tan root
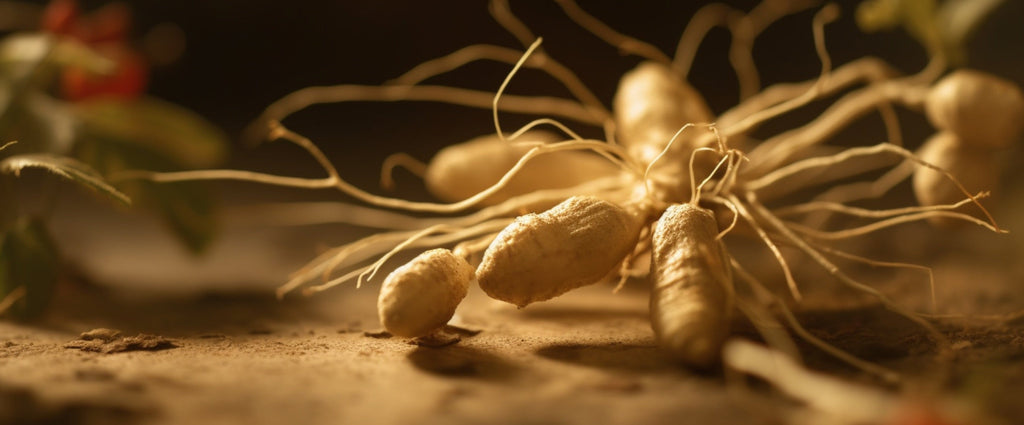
(400, 159)
(882, 224)
(334, 181)
(374, 245)
(743, 212)
(702, 21)
(329, 212)
(834, 167)
(343, 256)
(832, 269)
(497, 97)
(695, 189)
(494, 225)
(910, 91)
(769, 299)
(867, 69)
(851, 402)
(825, 162)
(746, 30)
(732, 207)
(862, 190)
(504, 84)
(316, 213)
(478, 52)
(620, 158)
(824, 16)
(892, 264)
(454, 236)
(502, 13)
(621, 41)
(665, 150)
(773, 331)
(726, 183)
(776, 151)
(301, 99)
(692, 290)
(537, 123)
(815, 206)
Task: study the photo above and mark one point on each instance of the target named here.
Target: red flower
(59, 16)
(127, 81)
(106, 30)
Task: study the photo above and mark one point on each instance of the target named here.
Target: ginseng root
(541, 256)
(691, 292)
(422, 295)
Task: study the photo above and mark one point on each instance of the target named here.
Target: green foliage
(107, 134)
(187, 208)
(86, 142)
(943, 29)
(24, 51)
(29, 260)
(174, 133)
(66, 167)
(150, 134)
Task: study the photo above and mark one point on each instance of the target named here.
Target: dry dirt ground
(204, 341)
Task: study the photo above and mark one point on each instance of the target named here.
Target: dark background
(243, 55)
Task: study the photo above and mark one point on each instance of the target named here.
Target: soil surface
(141, 332)
(205, 341)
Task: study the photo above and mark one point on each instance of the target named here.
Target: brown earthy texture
(588, 357)
(106, 341)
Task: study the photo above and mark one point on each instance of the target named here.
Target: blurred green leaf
(28, 259)
(916, 16)
(5, 97)
(187, 208)
(957, 20)
(878, 15)
(33, 48)
(63, 166)
(39, 122)
(175, 133)
(25, 48)
(941, 28)
(8, 209)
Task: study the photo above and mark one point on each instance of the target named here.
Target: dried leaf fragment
(108, 341)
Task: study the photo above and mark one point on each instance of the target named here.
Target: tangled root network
(534, 213)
